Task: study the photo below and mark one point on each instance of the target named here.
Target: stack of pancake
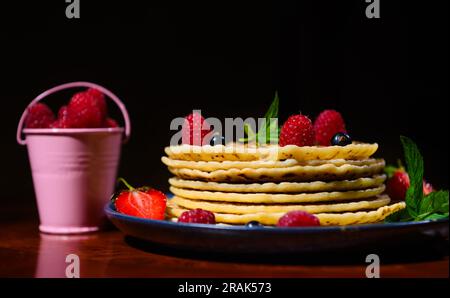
(341, 185)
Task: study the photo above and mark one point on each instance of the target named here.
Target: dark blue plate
(270, 240)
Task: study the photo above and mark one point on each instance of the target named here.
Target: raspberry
(327, 124)
(85, 111)
(297, 130)
(39, 116)
(63, 120)
(62, 113)
(110, 123)
(100, 98)
(397, 185)
(298, 219)
(197, 216)
(96, 93)
(195, 129)
(58, 124)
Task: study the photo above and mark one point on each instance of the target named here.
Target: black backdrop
(387, 76)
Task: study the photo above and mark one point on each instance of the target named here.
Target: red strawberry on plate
(297, 130)
(39, 116)
(327, 124)
(427, 188)
(143, 202)
(398, 184)
(195, 129)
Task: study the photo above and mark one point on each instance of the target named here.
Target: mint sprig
(270, 131)
(414, 167)
(433, 206)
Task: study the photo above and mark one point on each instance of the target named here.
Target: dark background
(387, 76)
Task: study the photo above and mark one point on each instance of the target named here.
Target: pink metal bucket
(74, 170)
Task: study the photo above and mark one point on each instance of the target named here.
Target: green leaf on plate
(419, 207)
(414, 167)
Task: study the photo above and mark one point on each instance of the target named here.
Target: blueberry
(341, 139)
(254, 224)
(217, 140)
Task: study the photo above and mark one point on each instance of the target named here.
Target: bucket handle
(44, 94)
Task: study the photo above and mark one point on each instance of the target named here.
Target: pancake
(265, 198)
(239, 152)
(209, 166)
(325, 172)
(326, 219)
(236, 208)
(283, 187)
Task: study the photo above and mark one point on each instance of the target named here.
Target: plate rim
(111, 212)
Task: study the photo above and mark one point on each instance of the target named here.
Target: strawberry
(427, 188)
(326, 125)
(39, 116)
(398, 184)
(143, 202)
(195, 129)
(297, 130)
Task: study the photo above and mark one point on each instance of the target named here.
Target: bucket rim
(31, 131)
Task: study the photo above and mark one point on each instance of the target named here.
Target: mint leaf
(435, 202)
(414, 167)
(267, 133)
(249, 133)
(401, 215)
(272, 112)
(274, 130)
(431, 207)
(248, 130)
(440, 201)
(436, 216)
(270, 130)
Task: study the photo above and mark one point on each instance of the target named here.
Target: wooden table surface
(24, 252)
